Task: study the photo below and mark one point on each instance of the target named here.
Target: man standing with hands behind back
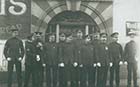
(14, 52)
(130, 59)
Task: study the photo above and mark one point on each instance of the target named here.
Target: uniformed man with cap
(103, 60)
(115, 53)
(130, 59)
(87, 60)
(95, 43)
(51, 60)
(62, 68)
(78, 42)
(14, 52)
(39, 44)
(30, 58)
(68, 59)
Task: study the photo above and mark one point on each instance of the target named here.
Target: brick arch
(53, 11)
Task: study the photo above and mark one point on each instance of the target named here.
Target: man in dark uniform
(131, 60)
(51, 61)
(95, 43)
(103, 60)
(115, 52)
(39, 57)
(68, 58)
(30, 69)
(14, 52)
(87, 60)
(62, 68)
(77, 52)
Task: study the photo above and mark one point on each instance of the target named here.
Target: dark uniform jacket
(115, 52)
(14, 48)
(130, 52)
(87, 54)
(51, 53)
(102, 54)
(69, 53)
(39, 49)
(61, 47)
(30, 53)
(77, 52)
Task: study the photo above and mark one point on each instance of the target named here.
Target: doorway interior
(70, 22)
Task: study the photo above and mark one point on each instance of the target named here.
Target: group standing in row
(80, 62)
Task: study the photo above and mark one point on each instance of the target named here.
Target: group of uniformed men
(80, 62)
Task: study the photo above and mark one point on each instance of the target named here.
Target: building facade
(64, 15)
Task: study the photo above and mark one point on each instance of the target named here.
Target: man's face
(96, 36)
(88, 39)
(80, 34)
(69, 39)
(38, 36)
(62, 38)
(15, 33)
(103, 38)
(132, 36)
(115, 38)
(52, 38)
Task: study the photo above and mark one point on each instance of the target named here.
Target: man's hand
(99, 64)
(9, 59)
(37, 57)
(61, 65)
(81, 65)
(125, 63)
(75, 64)
(94, 65)
(120, 63)
(110, 64)
(44, 65)
(19, 59)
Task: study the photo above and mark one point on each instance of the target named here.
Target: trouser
(102, 76)
(18, 72)
(75, 76)
(30, 72)
(62, 77)
(115, 71)
(132, 71)
(91, 76)
(51, 75)
(83, 76)
(69, 74)
(39, 74)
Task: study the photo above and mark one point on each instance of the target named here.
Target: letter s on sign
(20, 4)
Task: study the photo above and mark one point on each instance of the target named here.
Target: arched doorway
(71, 21)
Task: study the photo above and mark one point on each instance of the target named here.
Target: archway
(70, 22)
(44, 11)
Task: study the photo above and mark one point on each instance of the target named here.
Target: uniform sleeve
(110, 54)
(121, 53)
(125, 55)
(45, 53)
(42, 53)
(6, 48)
(22, 49)
(96, 54)
(60, 54)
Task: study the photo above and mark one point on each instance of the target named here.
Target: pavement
(123, 83)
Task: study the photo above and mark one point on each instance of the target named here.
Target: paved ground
(123, 84)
